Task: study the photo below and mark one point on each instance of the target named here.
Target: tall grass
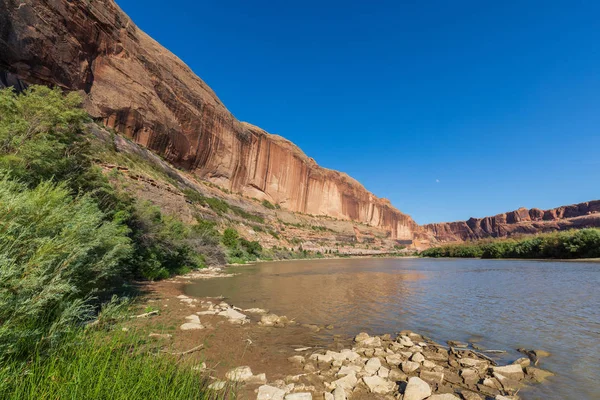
(98, 365)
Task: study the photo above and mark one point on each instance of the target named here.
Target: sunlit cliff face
(140, 89)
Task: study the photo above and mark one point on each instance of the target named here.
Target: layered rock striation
(140, 89)
(521, 221)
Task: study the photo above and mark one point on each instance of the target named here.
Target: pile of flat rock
(233, 314)
(408, 367)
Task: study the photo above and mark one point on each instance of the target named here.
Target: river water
(499, 304)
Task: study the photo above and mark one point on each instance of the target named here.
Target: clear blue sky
(450, 109)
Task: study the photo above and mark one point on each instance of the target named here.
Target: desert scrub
(56, 253)
(112, 365)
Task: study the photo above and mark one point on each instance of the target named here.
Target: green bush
(266, 203)
(56, 253)
(584, 243)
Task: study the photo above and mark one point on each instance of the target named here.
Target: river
(498, 304)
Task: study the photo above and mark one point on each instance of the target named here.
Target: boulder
(361, 337)
(234, 316)
(266, 392)
(394, 359)
(349, 369)
(416, 389)
(405, 341)
(328, 396)
(469, 375)
(377, 384)
(383, 372)
(467, 395)
(397, 376)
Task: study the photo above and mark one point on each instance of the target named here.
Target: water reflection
(503, 304)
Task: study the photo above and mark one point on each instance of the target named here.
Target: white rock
(191, 326)
(372, 366)
(299, 396)
(339, 394)
(372, 342)
(377, 384)
(417, 389)
(266, 392)
(328, 396)
(409, 366)
(361, 337)
(383, 372)
(429, 364)
(234, 316)
(394, 359)
(417, 357)
(297, 359)
(405, 341)
(513, 371)
(182, 296)
(239, 374)
(218, 385)
(348, 382)
(255, 311)
(193, 318)
(206, 312)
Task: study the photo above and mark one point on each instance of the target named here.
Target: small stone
(470, 376)
(417, 357)
(190, 326)
(467, 395)
(416, 389)
(259, 379)
(328, 396)
(429, 364)
(394, 359)
(537, 375)
(523, 362)
(383, 372)
(348, 382)
(513, 371)
(239, 374)
(405, 341)
(218, 385)
(372, 366)
(339, 394)
(397, 376)
(456, 343)
(409, 366)
(200, 367)
(349, 369)
(361, 337)
(193, 318)
(432, 376)
(266, 392)
(377, 384)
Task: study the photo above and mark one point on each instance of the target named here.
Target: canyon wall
(136, 86)
(521, 221)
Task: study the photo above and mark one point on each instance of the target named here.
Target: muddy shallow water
(553, 306)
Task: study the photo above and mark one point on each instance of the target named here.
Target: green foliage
(246, 215)
(230, 237)
(56, 252)
(40, 136)
(266, 203)
(584, 243)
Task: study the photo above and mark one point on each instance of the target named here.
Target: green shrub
(266, 203)
(230, 237)
(56, 252)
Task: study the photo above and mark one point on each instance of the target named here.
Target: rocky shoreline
(408, 366)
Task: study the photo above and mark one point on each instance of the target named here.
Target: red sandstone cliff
(521, 221)
(139, 88)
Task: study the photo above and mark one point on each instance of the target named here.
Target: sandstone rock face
(143, 91)
(521, 221)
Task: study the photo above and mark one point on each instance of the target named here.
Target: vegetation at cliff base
(584, 243)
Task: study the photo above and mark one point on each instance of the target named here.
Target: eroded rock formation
(521, 221)
(140, 89)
